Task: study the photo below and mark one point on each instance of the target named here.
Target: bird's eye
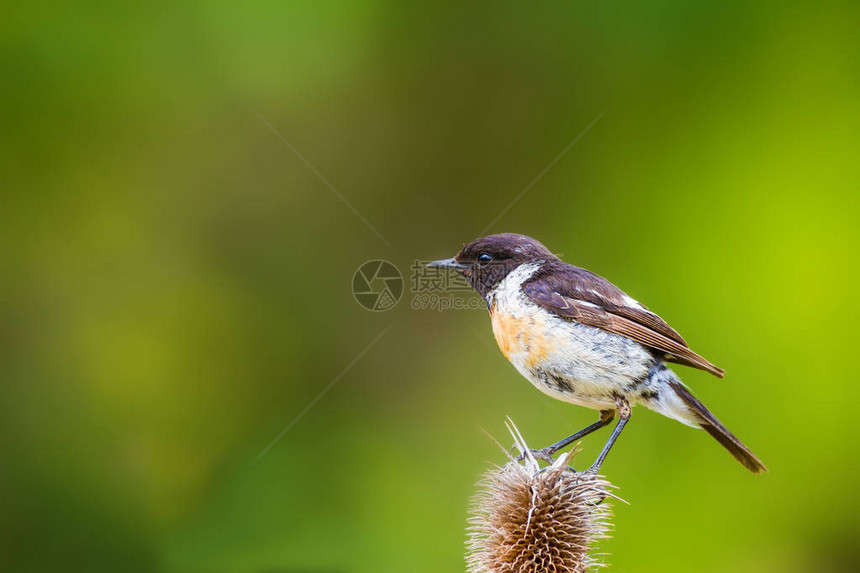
(484, 258)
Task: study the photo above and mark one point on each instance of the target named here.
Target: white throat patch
(509, 289)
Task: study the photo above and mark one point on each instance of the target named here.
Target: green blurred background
(175, 281)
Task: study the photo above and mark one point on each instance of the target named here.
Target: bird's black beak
(448, 264)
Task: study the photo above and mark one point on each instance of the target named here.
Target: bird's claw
(544, 454)
(590, 472)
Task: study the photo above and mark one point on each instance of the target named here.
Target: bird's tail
(710, 424)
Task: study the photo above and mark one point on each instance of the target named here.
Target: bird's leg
(623, 408)
(546, 454)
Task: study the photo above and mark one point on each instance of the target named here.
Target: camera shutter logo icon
(377, 285)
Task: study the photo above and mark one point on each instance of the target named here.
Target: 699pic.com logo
(377, 285)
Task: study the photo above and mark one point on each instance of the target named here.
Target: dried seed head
(525, 520)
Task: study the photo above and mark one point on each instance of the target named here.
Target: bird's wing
(582, 296)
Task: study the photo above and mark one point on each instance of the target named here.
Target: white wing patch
(632, 302)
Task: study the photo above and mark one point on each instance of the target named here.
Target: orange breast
(521, 338)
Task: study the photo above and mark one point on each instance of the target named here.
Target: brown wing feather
(591, 314)
(647, 318)
(581, 284)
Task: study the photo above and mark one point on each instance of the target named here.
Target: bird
(580, 339)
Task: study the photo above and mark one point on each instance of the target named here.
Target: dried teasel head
(527, 520)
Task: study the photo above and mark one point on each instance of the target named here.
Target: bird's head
(486, 261)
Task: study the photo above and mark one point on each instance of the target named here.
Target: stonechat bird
(580, 339)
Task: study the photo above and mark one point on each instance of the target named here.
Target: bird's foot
(544, 454)
(597, 500)
(590, 472)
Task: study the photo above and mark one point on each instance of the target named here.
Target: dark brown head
(486, 261)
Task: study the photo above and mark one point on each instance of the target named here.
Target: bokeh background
(175, 279)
